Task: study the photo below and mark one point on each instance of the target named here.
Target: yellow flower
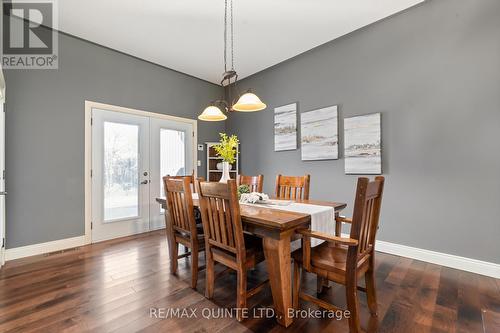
(227, 147)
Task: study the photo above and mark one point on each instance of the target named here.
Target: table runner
(322, 217)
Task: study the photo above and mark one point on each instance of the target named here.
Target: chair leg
(371, 293)
(296, 285)
(194, 266)
(320, 283)
(210, 274)
(352, 303)
(241, 298)
(174, 253)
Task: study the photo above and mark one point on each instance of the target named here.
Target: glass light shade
(249, 102)
(212, 113)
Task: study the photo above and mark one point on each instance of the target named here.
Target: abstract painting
(319, 134)
(285, 127)
(362, 136)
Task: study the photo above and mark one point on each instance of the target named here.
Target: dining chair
(190, 177)
(292, 187)
(345, 260)
(225, 242)
(254, 182)
(197, 215)
(182, 227)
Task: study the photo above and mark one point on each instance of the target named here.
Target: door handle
(3, 193)
(144, 182)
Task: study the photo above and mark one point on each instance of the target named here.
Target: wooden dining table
(277, 229)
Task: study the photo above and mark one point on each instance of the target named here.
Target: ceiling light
(212, 113)
(248, 102)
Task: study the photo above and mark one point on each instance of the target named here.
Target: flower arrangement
(243, 189)
(227, 147)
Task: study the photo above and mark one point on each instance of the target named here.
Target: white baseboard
(443, 259)
(438, 258)
(41, 248)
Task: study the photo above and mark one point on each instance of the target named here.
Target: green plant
(227, 147)
(243, 189)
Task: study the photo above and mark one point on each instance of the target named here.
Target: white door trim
(3, 221)
(89, 105)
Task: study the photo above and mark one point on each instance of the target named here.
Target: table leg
(338, 226)
(278, 257)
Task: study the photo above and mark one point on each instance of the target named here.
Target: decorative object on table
(255, 183)
(319, 134)
(362, 136)
(285, 127)
(274, 202)
(254, 197)
(227, 149)
(243, 189)
(246, 102)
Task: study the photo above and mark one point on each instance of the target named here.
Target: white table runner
(322, 217)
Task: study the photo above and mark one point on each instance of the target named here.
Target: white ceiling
(187, 35)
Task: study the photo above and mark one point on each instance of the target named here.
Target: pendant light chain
(232, 36)
(228, 10)
(225, 35)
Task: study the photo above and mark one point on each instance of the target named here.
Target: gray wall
(45, 130)
(434, 73)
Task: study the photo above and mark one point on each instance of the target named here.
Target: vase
(225, 172)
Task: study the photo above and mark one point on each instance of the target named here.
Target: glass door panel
(171, 154)
(121, 171)
(120, 174)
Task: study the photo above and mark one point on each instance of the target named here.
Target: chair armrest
(343, 219)
(327, 237)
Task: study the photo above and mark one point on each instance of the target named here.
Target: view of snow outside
(121, 173)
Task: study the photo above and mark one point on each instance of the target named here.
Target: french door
(130, 155)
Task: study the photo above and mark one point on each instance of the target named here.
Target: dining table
(277, 228)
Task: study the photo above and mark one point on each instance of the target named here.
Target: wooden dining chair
(225, 242)
(197, 215)
(345, 260)
(182, 228)
(254, 182)
(292, 187)
(190, 177)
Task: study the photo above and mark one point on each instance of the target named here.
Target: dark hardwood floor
(112, 286)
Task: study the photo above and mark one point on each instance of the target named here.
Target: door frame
(89, 105)
(3, 218)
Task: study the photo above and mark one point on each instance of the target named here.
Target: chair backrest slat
(292, 187)
(366, 214)
(220, 213)
(180, 204)
(190, 177)
(254, 182)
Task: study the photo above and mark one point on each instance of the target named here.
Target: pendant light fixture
(247, 102)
